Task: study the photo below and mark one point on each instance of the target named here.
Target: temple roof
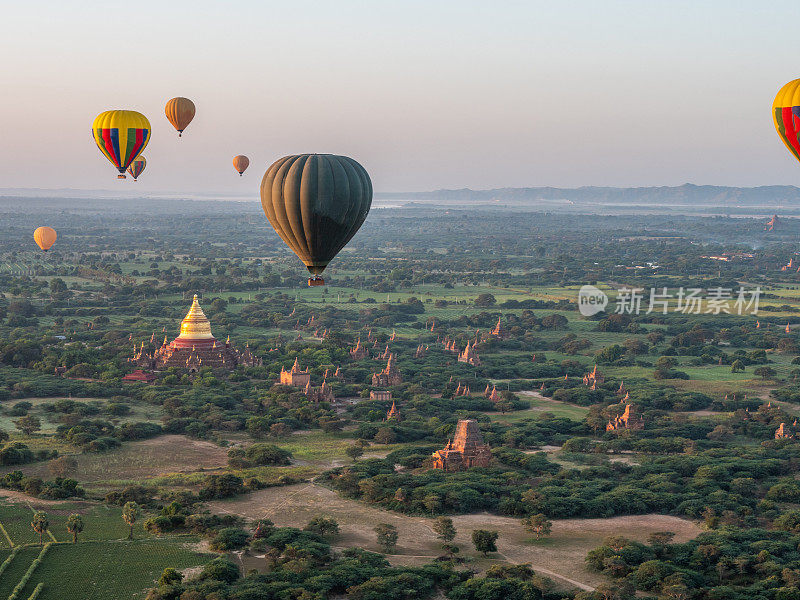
(195, 326)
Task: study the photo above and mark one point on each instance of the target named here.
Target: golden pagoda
(194, 348)
(195, 329)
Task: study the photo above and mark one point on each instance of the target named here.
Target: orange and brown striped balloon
(240, 163)
(180, 112)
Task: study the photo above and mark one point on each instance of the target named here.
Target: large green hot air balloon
(316, 203)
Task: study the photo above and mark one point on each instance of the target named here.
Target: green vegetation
(127, 472)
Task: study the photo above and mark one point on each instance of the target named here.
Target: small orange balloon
(180, 112)
(240, 163)
(45, 237)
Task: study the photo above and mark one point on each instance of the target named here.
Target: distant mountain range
(687, 194)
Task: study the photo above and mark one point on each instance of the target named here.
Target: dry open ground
(561, 556)
(144, 459)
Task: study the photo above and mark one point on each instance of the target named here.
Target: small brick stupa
(499, 330)
(470, 355)
(393, 413)
(784, 433)
(466, 450)
(629, 420)
(593, 378)
(359, 351)
(389, 376)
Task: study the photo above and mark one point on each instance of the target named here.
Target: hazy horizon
(426, 96)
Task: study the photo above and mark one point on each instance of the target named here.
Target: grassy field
(102, 566)
(106, 570)
(16, 570)
(538, 405)
(101, 522)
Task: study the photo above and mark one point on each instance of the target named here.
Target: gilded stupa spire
(196, 326)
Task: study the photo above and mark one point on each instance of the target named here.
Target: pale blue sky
(425, 94)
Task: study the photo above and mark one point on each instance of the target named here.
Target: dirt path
(561, 556)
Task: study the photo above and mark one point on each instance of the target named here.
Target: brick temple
(593, 378)
(389, 376)
(194, 348)
(295, 376)
(629, 419)
(470, 355)
(359, 351)
(499, 330)
(466, 450)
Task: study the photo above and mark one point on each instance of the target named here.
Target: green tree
(538, 524)
(354, 452)
(385, 436)
(665, 363)
(765, 372)
(40, 523)
(387, 537)
(504, 406)
(130, 512)
(484, 540)
(229, 538)
(170, 576)
(75, 526)
(323, 526)
(485, 300)
(444, 529)
(28, 424)
(737, 366)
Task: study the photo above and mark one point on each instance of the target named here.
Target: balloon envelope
(786, 114)
(44, 237)
(121, 135)
(316, 203)
(137, 166)
(180, 112)
(240, 163)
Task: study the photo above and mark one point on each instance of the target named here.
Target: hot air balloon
(240, 163)
(786, 114)
(45, 237)
(180, 112)
(121, 136)
(137, 166)
(316, 203)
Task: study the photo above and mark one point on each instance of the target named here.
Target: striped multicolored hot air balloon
(786, 113)
(137, 166)
(180, 112)
(44, 237)
(121, 135)
(240, 163)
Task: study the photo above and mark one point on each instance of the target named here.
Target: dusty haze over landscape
(427, 95)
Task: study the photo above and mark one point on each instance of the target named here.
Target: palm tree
(75, 526)
(40, 524)
(129, 513)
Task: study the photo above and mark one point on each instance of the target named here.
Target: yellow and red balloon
(137, 166)
(786, 114)
(121, 135)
